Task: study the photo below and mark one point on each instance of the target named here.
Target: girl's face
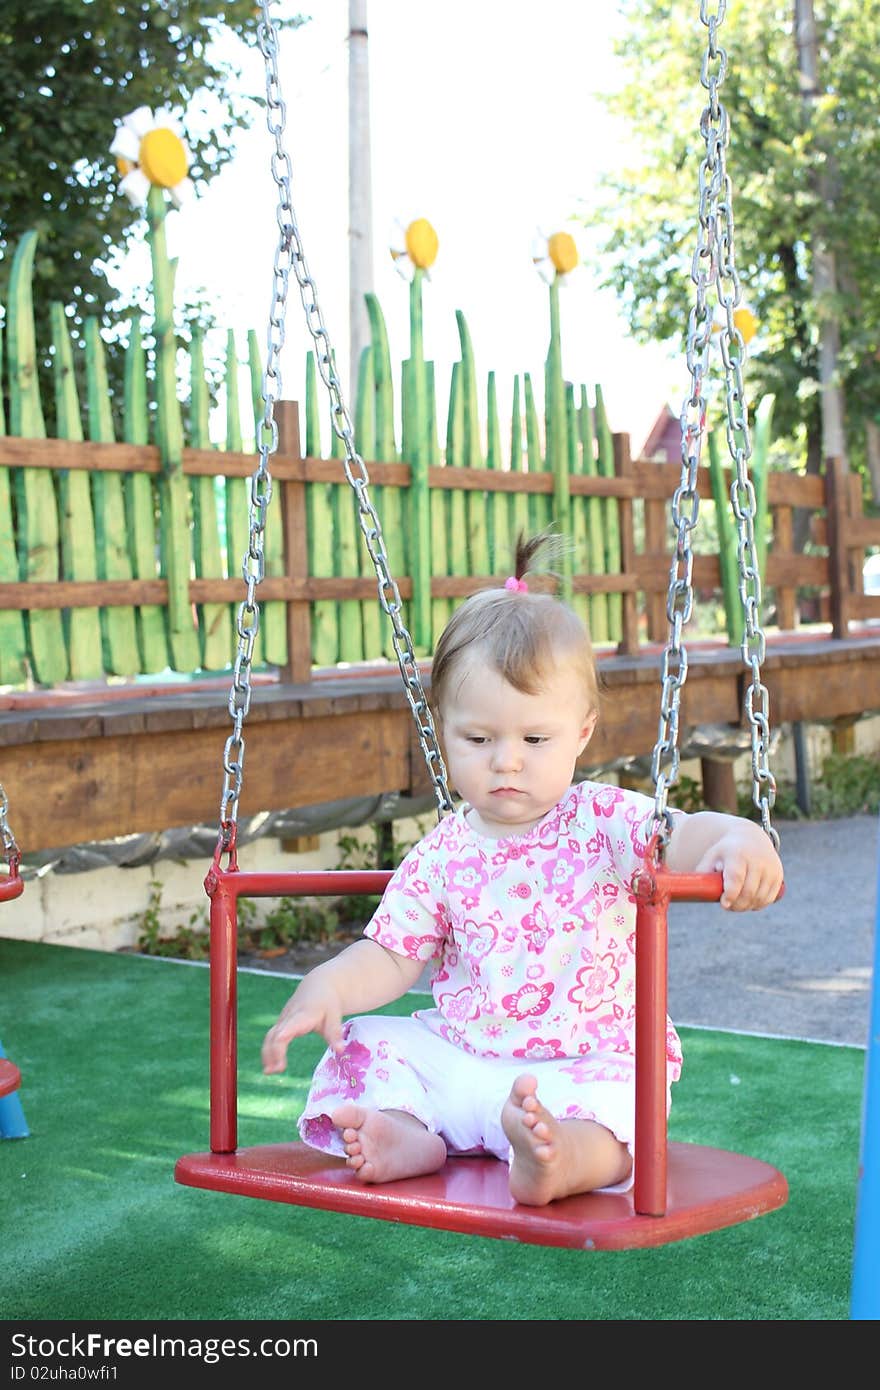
(511, 755)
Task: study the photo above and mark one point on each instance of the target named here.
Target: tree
(805, 168)
(68, 70)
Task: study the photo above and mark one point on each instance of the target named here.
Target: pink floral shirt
(533, 935)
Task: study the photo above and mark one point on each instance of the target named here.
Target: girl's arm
(362, 977)
(741, 850)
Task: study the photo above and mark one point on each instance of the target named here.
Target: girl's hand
(750, 867)
(362, 977)
(298, 1017)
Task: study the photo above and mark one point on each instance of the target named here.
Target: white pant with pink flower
(401, 1064)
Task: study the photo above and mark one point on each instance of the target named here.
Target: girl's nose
(505, 756)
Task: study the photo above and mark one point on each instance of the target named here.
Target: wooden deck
(80, 767)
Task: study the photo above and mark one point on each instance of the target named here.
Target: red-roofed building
(664, 438)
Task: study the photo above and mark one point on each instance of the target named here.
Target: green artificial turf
(113, 1051)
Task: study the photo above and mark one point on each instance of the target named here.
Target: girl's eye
(476, 738)
(536, 738)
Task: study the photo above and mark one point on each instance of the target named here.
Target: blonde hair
(524, 635)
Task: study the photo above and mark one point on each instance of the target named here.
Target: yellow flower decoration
(150, 150)
(414, 247)
(555, 256)
(746, 322)
(743, 320)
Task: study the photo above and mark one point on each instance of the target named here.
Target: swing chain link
(289, 255)
(713, 265)
(10, 848)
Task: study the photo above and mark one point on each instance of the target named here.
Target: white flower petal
(136, 187)
(403, 264)
(126, 144)
(164, 119)
(540, 247)
(546, 269)
(182, 192)
(139, 121)
(397, 246)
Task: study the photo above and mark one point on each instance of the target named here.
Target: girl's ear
(587, 729)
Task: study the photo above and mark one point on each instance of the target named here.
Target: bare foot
(556, 1158)
(384, 1145)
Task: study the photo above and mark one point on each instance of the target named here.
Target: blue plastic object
(12, 1122)
(865, 1300)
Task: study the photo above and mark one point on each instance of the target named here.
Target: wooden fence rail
(641, 490)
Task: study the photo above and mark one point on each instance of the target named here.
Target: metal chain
(713, 264)
(289, 255)
(7, 839)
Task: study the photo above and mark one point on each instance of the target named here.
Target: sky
(484, 119)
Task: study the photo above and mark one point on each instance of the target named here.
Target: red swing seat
(680, 1190)
(11, 883)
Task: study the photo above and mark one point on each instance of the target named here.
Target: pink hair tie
(517, 586)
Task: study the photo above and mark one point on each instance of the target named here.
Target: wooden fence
(96, 602)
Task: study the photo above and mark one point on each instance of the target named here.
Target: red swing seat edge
(708, 1189)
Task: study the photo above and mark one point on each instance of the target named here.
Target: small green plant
(190, 942)
(290, 923)
(386, 853)
(849, 785)
(687, 795)
(355, 854)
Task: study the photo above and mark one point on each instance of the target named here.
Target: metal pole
(360, 198)
(803, 794)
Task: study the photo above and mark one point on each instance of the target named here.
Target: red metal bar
(693, 888)
(649, 1188)
(654, 890)
(302, 883)
(224, 1018)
